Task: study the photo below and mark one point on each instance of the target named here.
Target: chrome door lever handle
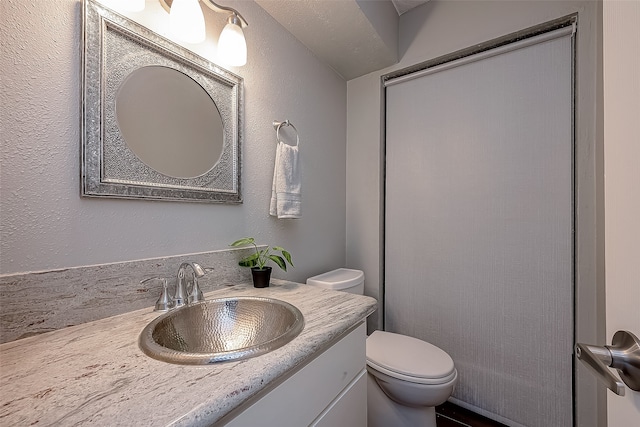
(623, 354)
(599, 359)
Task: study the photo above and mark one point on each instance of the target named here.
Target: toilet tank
(342, 279)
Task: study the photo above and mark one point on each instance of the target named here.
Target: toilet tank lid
(341, 278)
(408, 356)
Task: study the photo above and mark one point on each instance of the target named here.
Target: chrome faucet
(183, 295)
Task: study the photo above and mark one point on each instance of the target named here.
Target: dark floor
(450, 415)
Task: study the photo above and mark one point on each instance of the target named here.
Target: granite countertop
(95, 373)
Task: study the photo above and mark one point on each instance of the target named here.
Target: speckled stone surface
(34, 303)
(95, 374)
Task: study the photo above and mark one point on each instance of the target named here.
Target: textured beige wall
(46, 225)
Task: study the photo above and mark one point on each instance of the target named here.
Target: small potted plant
(260, 272)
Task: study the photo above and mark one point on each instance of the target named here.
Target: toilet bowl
(406, 377)
(411, 378)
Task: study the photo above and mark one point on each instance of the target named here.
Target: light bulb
(187, 21)
(232, 47)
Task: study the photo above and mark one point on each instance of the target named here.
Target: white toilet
(407, 377)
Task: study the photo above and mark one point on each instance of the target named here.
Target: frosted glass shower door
(478, 226)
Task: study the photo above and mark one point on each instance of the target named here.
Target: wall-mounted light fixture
(186, 23)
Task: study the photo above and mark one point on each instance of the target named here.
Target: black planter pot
(261, 277)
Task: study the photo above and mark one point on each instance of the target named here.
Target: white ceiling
(354, 37)
(403, 6)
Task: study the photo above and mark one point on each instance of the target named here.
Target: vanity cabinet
(329, 391)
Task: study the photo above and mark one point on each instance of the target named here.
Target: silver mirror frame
(108, 167)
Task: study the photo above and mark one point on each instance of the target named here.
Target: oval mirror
(169, 121)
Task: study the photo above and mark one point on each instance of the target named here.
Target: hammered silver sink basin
(220, 330)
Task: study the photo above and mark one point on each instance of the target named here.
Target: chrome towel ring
(277, 125)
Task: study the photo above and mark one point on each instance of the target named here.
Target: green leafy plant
(261, 256)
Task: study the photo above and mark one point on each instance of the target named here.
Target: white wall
(45, 224)
(622, 178)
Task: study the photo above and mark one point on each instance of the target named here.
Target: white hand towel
(286, 198)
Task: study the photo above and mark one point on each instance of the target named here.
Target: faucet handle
(181, 297)
(196, 294)
(164, 303)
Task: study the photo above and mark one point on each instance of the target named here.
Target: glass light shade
(232, 47)
(134, 5)
(186, 21)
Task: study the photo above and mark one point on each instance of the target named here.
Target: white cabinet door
(350, 408)
(305, 395)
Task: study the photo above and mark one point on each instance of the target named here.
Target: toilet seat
(409, 359)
